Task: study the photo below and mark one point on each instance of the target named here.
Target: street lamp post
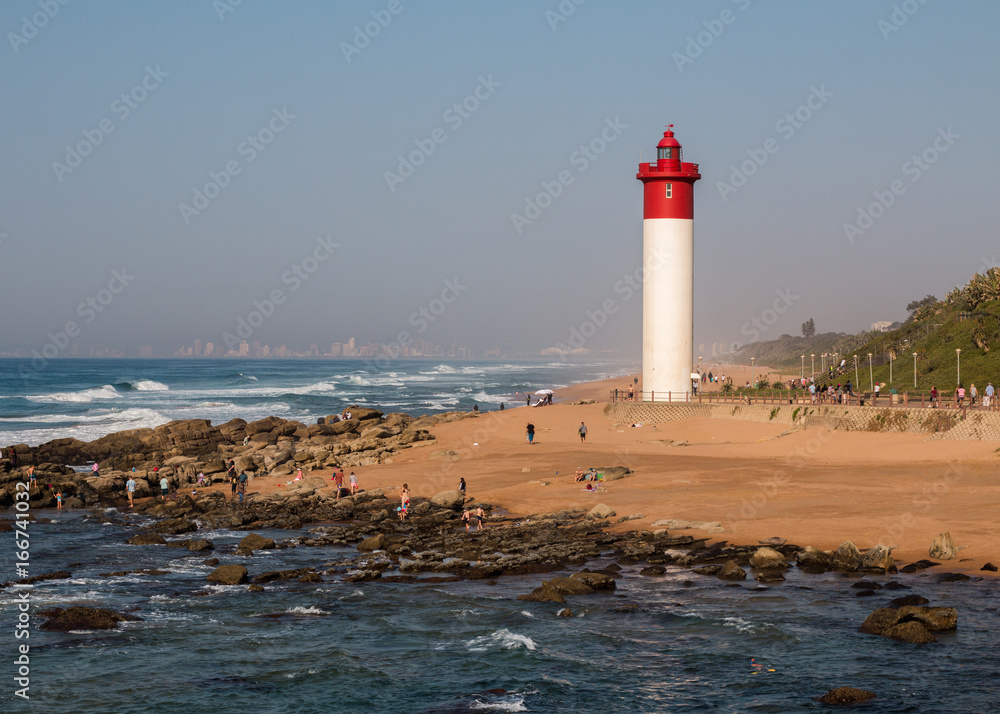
(891, 355)
(856, 379)
(753, 374)
(812, 366)
(914, 370)
(822, 362)
(802, 369)
(871, 378)
(958, 364)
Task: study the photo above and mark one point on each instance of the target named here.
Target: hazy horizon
(465, 173)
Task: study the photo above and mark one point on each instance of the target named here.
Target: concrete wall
(936, 423)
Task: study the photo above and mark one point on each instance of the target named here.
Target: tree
(917, 304)
(808, 328)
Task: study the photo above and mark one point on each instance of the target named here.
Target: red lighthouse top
(668, 182)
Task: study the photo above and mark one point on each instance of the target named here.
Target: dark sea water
(653, 645)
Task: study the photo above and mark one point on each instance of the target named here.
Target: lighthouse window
(670, 190)
(664, 153)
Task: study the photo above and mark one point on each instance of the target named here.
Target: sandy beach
(812, 487)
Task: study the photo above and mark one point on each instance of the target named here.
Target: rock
(912, 632)
(228, 575)
(878, 558)
(772, 541)
(543, 593)
(146, 539)
(196, 545)
(174, 526)
(919, 565)
(814, 561)
(771, 575)
(731, 571)
(255, 588)
(908, 600)
(847, 695)
(565, 612)
(847, 558)
(84, 618)
(653, 570)
(598, 581)
(943, 547)
(614, 473)
(57, 575)
(880, 621)
(989, 567)
(570, 586)
(767, 559)
(375, 542)
(707, 569)
(601, 510)
(256, 542)
(952, 577)
(272, 575)
(934, 619)
(673, 524)
(211, 562)
(310, 578)
(449, 499)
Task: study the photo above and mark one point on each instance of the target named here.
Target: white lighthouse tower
(668, 263)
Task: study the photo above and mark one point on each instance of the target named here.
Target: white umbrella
(695, 375)
(544, 391)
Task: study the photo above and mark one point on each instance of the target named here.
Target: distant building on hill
(881, 326)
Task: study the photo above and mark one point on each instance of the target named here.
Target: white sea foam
(513, 704)
(85, 395)
(148, 385)
(490, 398)
(311, 610)
(503, 638)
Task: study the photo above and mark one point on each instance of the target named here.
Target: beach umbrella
(695, 375)
(544, 391)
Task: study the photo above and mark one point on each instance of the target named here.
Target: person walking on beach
(130, 487)
(232, 482)
(530, 431)
(480, 517)
(527, 403)
(354, 483)
(988, 399)
(466, 517)
(164, 488)
(338, 482)
(583, 433)
(242, 486)
(973, 394)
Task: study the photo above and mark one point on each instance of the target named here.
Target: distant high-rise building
(349, 348)
(209, 348)
(244, 349)
(197, 348)
(336, 349)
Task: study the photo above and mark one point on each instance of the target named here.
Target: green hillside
(967, 319)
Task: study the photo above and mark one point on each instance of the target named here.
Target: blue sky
(221, 78)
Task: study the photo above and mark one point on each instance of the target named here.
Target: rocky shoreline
(431, 545)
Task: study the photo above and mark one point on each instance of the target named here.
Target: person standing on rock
(480, 517)
(530, 431)
(404, 501)
(461, 487)
(354, 483)
(130, 488)
(96, 469)
(338, 482)
(466, 517)
(164, 488)
(583, 433)
(232, 482)
(59, 501)
(32, 481)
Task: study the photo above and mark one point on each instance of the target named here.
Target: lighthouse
(668, 270)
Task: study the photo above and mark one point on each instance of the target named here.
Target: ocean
(672, 643)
